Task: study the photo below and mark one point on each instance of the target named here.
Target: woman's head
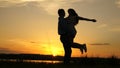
(61, 12)
(73, 16)
(72, 12)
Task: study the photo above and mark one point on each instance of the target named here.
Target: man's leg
(67, 49)
(68, 52)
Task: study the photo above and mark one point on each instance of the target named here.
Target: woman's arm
(82, 18)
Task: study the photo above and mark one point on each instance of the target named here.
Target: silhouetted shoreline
(6, 61)
(78, 60)
(20, 57)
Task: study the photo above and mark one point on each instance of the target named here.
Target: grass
(51, 65)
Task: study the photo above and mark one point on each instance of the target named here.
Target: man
(62, 31)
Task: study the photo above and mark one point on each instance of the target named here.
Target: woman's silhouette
(72, 21)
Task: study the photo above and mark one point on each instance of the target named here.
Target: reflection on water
(43, 61)
(34, 61)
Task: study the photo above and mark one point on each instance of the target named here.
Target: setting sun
(55, 51)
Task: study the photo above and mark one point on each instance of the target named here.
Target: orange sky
(30, 26)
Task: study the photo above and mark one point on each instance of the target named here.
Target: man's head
(61, 12)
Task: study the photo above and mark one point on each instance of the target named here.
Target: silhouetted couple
(67, 32)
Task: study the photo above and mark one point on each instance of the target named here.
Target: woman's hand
(93, 20)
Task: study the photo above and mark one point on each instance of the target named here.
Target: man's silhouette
(63, 32)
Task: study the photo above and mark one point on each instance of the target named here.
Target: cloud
(100, 44)
(102, 26)
(33, 42)
(6, 50)
(21, 42)
(26, 42)
(115, 29)
(118, 3)
(9, 3)
(51, 6)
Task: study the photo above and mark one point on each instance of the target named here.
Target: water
(43, 61)
(33, 61)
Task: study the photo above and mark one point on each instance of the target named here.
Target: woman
(72, 21)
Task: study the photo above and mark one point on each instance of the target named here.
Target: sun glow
(56, 51)
(53, 49)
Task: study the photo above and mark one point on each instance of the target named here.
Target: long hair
(73, 13)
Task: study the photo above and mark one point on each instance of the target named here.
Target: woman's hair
(73, 13)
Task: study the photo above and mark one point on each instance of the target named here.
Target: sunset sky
(30, 26)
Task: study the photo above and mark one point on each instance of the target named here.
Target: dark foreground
(53, 65)
(27, 61)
